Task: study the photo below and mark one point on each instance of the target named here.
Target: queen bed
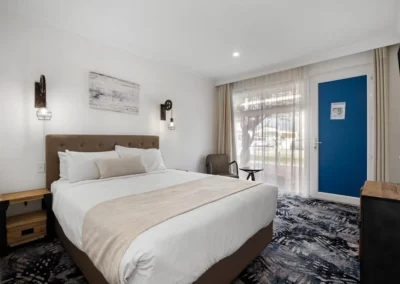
(211, 243)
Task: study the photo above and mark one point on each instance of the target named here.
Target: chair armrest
(209, 168)
(237, 168)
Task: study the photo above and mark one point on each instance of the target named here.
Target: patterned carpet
(314, 242)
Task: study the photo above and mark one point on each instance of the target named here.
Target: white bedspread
(182, 248)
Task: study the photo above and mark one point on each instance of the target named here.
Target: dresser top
(381, 190)
(24, 196)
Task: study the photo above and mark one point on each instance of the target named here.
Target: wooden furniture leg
(47, 203)
(3, 228)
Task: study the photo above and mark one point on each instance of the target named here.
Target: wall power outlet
(40, 167)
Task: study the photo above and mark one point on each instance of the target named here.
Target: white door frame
(365, 69)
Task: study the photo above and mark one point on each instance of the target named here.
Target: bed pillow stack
(151, 158)
(81, 166)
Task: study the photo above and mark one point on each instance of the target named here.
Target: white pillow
(120, 167)
(151, 158)
(82, 165)
(63, 165)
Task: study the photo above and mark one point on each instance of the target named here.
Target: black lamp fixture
(43, 113)
(163, 116)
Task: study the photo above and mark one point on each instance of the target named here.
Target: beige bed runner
(110, 227)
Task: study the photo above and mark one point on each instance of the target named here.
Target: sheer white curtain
(270, 127)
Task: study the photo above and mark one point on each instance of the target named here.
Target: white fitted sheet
(180, 249)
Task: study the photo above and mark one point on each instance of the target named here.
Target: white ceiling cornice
(383, 38)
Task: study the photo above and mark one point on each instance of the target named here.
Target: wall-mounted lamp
(43, 113)
(163, 116)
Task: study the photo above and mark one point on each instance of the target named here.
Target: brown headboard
(89, 143)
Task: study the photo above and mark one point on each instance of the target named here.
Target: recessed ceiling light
(236, 54)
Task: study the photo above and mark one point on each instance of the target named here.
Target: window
(269, 130)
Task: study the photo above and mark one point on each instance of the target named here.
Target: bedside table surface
(24, 196)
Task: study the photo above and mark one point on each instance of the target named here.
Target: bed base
(224, 271)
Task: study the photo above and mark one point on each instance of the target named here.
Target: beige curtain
(381, 69)
(226, 143)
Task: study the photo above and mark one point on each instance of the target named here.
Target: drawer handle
(27, 232)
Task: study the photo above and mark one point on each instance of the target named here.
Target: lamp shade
(44, 113)
(171, 124)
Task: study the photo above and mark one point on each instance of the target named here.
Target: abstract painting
(113, 94)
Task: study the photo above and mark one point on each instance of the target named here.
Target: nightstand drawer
(25, 228)
(26, 233)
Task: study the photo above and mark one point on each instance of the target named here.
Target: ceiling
(202, 35)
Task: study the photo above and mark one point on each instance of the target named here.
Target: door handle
(316, 142)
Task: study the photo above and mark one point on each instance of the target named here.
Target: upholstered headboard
(89, 143)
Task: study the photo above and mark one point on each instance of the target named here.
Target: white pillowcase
(82, 165)
(151, 158)
(120, 167)
(63, 165)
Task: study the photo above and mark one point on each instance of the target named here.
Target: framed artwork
(338, 111)
(109, 93)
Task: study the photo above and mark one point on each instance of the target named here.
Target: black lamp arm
(40, 92)
(164, 108)
(237, 168)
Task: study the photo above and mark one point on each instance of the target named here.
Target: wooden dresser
(380, 233)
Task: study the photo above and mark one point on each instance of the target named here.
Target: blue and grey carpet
(314, 242)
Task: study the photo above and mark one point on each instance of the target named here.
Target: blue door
(343, 148)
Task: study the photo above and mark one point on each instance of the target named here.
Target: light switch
(40, 167)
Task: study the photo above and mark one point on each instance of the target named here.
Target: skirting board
(338, 198)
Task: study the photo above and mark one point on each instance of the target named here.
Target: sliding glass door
(269, 131)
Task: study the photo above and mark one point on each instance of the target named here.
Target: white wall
(398, 21)
(29, 49)
(394, 114)
(341, 63)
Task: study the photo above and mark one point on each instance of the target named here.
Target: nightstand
(28, 227)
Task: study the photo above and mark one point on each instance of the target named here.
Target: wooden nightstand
(24, 228)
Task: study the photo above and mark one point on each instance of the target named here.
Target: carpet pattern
(314, 242)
